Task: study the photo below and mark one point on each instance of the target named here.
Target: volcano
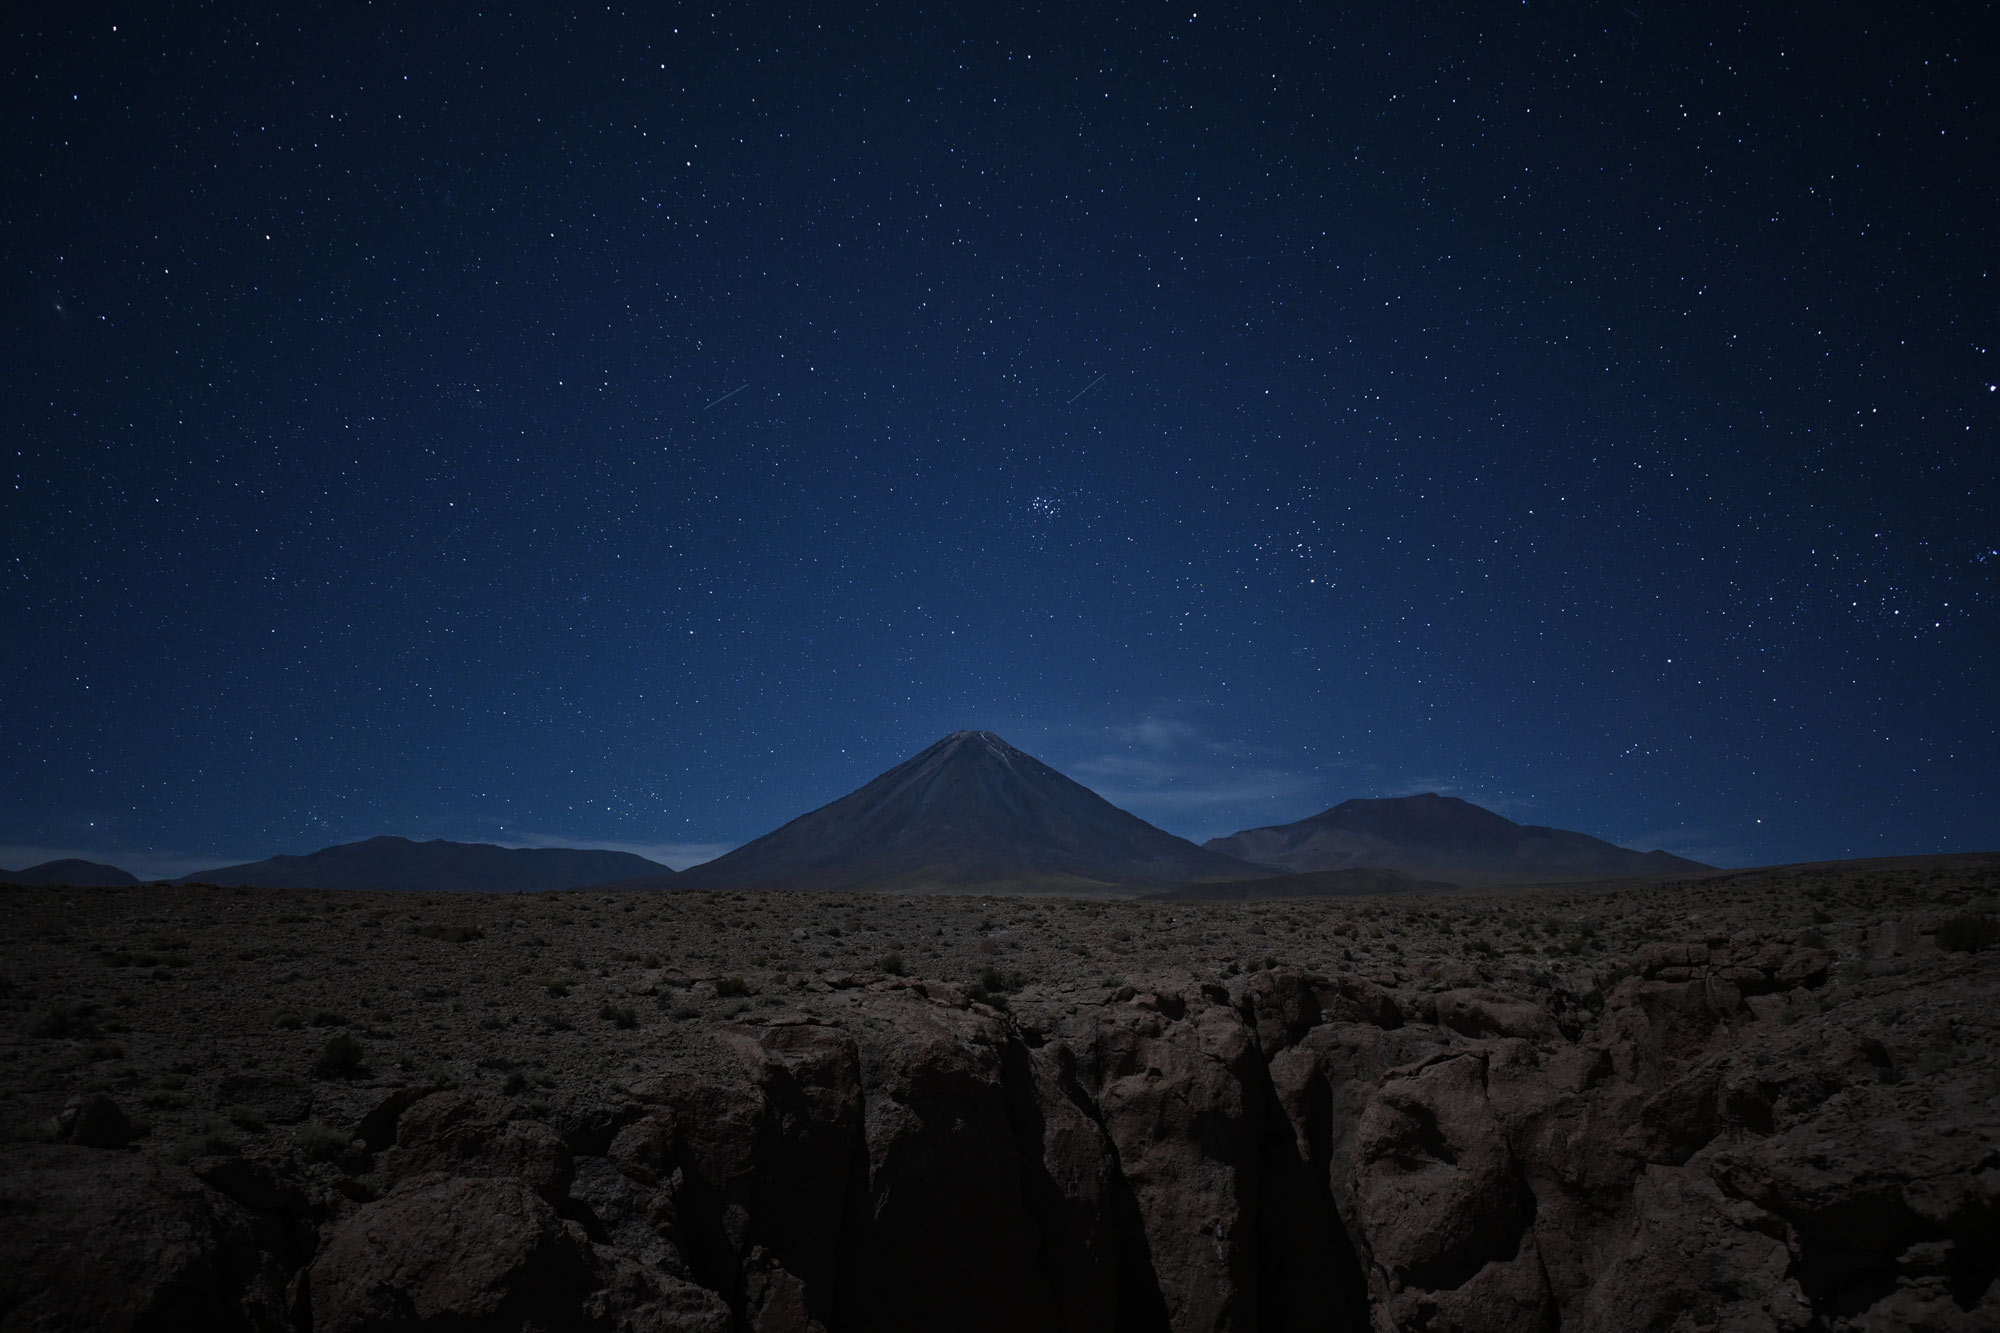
(1443, 838)
(971, 812)
(398, 863)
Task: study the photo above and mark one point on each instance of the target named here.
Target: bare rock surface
(450, 1253)
(116, 1241)
(1766, 1102)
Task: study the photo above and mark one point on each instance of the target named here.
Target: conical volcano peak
(969, 811)
(976, 748)
(988, 739)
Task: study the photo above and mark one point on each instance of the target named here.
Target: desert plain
(1761, 1100)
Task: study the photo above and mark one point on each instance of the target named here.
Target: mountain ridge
(1438, 837)
(389, 862)
(72, 871)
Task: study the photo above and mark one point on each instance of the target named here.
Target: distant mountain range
(82, 874)
(971, 812)
(1435, 837)
(437, 865)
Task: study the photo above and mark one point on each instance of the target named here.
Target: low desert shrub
(1801, 1007)
(893, 964)
(731, 987)
(1001, 980)
(340, 1057)
(210, 1139)
(320, 1142)
(619, 1015)
(1968, 932)
(50, 1023)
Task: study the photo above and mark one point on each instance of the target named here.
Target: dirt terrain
(1767, 1100)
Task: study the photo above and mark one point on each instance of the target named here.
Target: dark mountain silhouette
(82, 874)
(971, 812)
(1443, 838)
(398, 863)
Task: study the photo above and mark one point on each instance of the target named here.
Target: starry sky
(636, 426)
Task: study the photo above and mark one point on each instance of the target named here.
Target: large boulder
(1891, 1210)
(1179, 1101)
(1482, 1013)
(468, 1255)
(95, 1121)
(450, 1134)
(939, 1226)
(1072, 1188)
(1445, 1213)
(99, 1241)
(755, 1154)
(1281, 1006)
(1689, 1256)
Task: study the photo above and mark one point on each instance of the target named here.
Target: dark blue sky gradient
(1585, 410)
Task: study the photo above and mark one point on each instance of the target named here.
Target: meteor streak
(1087, 388)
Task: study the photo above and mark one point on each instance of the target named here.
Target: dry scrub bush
(1968, 932)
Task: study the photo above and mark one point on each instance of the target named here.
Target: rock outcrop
(451, 1253)
(114, 1241)
(1788, 1129)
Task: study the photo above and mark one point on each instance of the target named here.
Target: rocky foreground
(1764, 1101)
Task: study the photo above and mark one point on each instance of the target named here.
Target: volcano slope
(1762, 1101)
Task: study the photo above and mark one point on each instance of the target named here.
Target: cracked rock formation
(1768, 1102)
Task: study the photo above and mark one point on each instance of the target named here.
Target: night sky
(636, 427)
